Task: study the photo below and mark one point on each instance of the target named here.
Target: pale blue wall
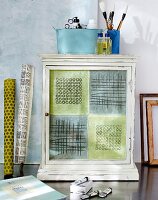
(25, 32)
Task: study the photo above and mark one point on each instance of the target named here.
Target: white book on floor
(28, 187)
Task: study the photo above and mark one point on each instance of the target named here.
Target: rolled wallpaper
(24, 113)
(9, 110)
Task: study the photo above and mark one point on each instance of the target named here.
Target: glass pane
(87, 115)
(108, 92)
(68, 137)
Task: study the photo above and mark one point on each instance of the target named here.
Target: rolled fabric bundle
(9, 112)
(24, 113)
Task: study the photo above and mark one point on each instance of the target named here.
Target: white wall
(139, 37)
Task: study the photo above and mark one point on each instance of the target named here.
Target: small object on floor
(75, 196)
(106, 192)
(80, 181)
(99, 193)
(82, 188)
(90, 195)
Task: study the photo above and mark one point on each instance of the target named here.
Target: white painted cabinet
(88, 117)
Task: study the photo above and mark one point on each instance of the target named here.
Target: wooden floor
(145, 189)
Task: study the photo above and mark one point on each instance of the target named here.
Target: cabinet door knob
(46, 114)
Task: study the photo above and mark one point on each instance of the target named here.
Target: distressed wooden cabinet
(88, 117)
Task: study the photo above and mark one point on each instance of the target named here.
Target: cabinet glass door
(87, 114)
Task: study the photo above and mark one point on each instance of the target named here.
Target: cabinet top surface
(49, 57)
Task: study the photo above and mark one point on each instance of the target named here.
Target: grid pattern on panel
(108, 137)
(67, 137)
(108, 89)
(68, 91)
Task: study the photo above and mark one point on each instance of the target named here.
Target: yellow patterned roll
(9, 110)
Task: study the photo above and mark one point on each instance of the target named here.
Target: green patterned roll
(9, 110)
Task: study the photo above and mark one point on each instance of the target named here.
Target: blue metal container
(76, 41)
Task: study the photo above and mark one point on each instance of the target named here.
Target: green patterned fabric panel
(107, 137)
(69, 92)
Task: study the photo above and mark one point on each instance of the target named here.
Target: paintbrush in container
(110, 20)
(102, 8)
(123, 17)
(112, 15)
